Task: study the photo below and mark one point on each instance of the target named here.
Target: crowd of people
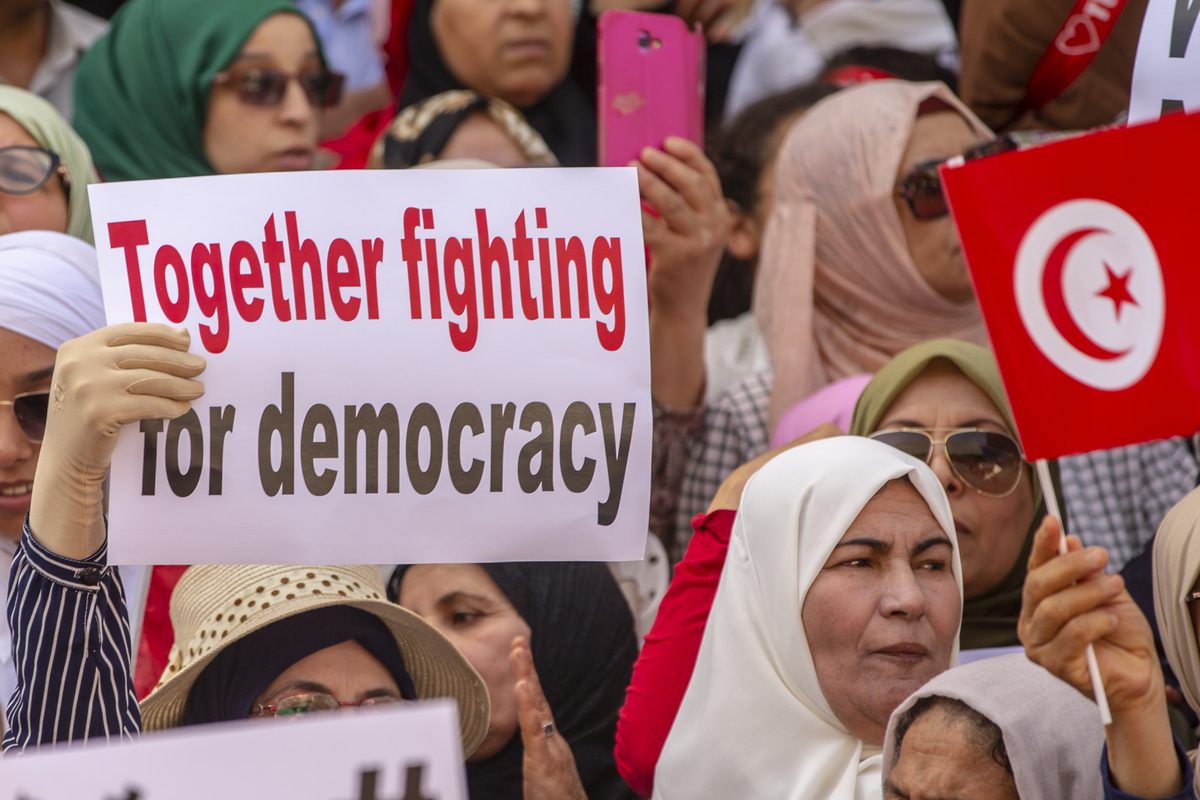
(867, 597)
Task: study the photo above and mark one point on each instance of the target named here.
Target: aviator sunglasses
(989, 462)
(30, 409)
(25, 169)
(921, 186)
(266, 87)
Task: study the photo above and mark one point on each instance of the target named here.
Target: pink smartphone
(651, 83)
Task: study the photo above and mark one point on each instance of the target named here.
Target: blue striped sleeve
(71, 649)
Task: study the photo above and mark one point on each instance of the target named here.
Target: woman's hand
(1069, 603)
(686, 242)
(550, 772)
(112, 376)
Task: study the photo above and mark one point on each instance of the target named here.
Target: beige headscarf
(1029, 706)
(837, 292)
(1176, 568)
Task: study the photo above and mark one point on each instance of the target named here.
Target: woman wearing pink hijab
(860, 261)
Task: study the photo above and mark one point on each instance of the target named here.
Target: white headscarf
(1053, 735)
(754, 722)
(49, 287)
(49, 292)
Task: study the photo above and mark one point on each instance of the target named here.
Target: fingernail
(1095, 557)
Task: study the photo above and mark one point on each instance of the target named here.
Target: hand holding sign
(550, 772)
(118, 374)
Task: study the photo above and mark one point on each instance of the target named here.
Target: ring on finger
(548, 729)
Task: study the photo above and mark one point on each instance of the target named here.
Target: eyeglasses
(30, 409)
(921, 186)
(24, 169)
(266, 87)
(990, 462)
(311, 702)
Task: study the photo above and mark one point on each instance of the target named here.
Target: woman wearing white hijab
(995, 729)
(49, 293)
(841, 595)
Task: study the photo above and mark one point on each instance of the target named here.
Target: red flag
(1084, 258)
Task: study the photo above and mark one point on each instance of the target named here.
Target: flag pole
(1043, 473)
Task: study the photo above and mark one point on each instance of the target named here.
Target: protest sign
(1083, 259)
(403, 366)
(409, 753)
(1166, 72)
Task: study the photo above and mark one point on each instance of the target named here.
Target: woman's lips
(961, 528)
(294, 160)
(526, 49)
(15, 496)
(904, 651)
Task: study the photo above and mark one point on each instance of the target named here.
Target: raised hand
(550, 772)
(119, 374)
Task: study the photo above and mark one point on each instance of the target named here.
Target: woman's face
(45, 209)
(25, 366)
(933, 243)
(345, 671)
(241, 137)
(517, 50)
(481, 137)
(991, 530)
(746, 238)
(882, 616)
(942, 757)
(464, 603)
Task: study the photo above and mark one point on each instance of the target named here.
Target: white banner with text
(403, 366)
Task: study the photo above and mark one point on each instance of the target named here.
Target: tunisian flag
(1085, 255)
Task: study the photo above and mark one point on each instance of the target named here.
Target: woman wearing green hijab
(35, 143)
(943, 402)
(178, 88)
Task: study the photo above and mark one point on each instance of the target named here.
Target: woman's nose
(15, 446)
(940, 465)
(902, 594)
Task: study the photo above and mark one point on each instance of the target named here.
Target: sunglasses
(24, 170)
(30, 409)
(990, 462)
(921, 186)
(314, 702)
(266, 87)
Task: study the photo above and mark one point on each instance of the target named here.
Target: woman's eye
(856, 562)
(460, 618)
(933, 566)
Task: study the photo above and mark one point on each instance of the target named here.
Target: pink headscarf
(837, 291)
(833, 403)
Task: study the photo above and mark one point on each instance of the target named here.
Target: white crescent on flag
(1089, 290)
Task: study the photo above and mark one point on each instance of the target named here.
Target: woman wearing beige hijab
(1069, 603)
(855, 266)
(994, 729)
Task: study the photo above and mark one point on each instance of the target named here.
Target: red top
(664, 668)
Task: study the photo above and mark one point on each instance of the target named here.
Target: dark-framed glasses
(296, 705)
(30, 409)
(25, 169)
(921, 186)
(267, 87)
(990, 462)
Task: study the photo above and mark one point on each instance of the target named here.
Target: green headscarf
(48, 128)
(989, 620)
(141, 91)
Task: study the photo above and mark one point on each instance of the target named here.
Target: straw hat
(215, 605)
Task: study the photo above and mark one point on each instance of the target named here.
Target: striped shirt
(71, 648)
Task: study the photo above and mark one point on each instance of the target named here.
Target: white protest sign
(412, 753)
(1166, 72)
(403, 366)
